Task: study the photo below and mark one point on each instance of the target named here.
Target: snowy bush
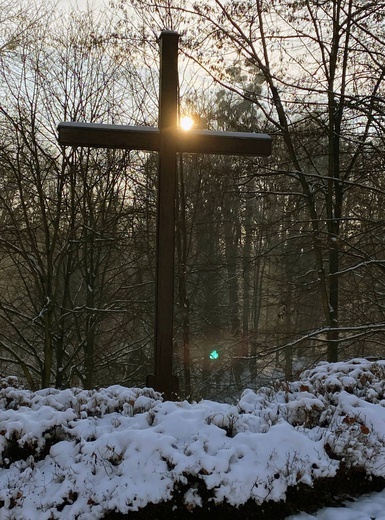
(78, 454)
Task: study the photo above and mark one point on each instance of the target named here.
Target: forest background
(279, 262)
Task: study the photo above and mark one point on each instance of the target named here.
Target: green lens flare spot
(214, 354)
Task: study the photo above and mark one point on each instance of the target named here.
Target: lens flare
(186, 123)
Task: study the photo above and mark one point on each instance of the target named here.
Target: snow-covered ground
(78, 454)
(369, 507)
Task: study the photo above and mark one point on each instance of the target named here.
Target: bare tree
(320, 68)
(72, 268)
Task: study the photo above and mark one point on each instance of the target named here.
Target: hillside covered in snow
(79, 454)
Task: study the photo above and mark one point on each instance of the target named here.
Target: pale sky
(81, 4)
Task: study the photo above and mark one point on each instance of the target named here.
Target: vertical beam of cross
(164, 291)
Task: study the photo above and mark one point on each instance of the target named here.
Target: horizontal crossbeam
(148, 139)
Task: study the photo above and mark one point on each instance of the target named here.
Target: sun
(186, 123)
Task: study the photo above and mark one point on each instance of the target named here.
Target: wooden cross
(167, 140)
